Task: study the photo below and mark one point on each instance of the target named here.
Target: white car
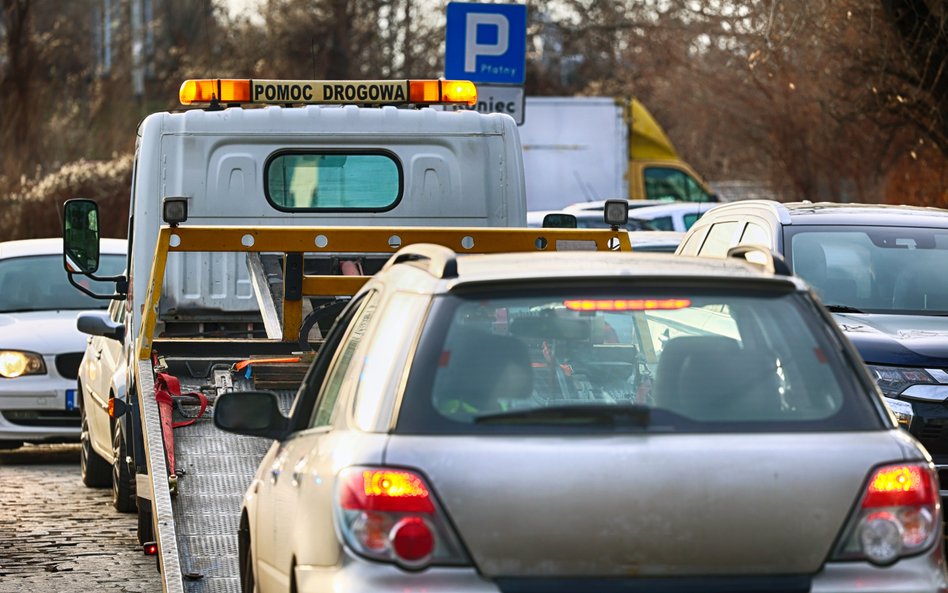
(40, 347)
(674, 216)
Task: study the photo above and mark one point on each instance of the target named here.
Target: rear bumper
(34, 409)
(919, 574)
(356, 574)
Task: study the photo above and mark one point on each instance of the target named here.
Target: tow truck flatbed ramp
(217, 467)
(195, 514)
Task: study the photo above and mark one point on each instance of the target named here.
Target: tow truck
(248, 152)
(293, 204)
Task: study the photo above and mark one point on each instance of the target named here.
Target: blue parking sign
(486, 42)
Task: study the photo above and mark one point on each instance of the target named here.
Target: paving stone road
(57, 536)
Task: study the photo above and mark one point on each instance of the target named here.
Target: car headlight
(14, 363)
(902, 411)
(894, 380)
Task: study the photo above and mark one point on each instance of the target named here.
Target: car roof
(833, 213)
(649, 212)
(655, 237)
(601, 204)
(520, 267)
(54, 246)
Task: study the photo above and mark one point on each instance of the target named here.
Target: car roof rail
(773, 263)
(437, 260)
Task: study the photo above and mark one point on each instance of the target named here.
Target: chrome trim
(926, 392)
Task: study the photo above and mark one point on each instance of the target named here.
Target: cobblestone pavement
(57, 536)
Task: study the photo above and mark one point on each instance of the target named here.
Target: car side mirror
(251, 413)
(556, 220)
(81, 236)
(99, 323)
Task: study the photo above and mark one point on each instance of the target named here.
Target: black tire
(123, 480)
(94, 470)
(245, 557)
(146, 531)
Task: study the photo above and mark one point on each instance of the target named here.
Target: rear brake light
(626, 304)
(391, 515)
(899, 515)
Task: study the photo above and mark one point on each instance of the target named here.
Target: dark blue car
(882, 271)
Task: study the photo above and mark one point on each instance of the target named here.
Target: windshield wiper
(609, 414)
(843, 309)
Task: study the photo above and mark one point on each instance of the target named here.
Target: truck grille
(67, 365)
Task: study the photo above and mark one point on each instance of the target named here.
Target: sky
(237, 7)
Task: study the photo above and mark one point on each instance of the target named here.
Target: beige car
(585, 422)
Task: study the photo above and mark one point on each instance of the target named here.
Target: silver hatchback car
(585, 422)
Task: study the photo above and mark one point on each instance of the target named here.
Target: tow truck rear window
(333, 181)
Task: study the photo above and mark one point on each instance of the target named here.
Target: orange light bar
(338, 92)
(442, 91)
(626, 304)
(112, 408)
(219, 89)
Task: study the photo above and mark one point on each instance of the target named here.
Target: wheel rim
(116, 461)
(84, 444)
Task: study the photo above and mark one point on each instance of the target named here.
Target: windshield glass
(39, 283)
(690, 361)
(874, 269)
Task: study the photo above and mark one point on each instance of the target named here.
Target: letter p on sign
(486, 43)
(472, 48)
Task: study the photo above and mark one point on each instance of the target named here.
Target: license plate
(71, 400)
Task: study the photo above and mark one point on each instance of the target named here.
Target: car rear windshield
(642, 360)
(39, 283)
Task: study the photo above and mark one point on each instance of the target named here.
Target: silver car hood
(44, 332)
(648, 505)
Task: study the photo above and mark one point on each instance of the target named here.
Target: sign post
(487, 44)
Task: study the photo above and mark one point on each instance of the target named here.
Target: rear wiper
(610, 414)
(842, 309)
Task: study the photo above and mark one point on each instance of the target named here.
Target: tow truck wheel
(94, 470)
(123, 491)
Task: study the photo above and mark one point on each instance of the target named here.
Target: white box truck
(578, 149)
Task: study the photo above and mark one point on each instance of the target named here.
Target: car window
(874, 269)
(339, 373)
(39, 283)
(719, 239)
(690, 219)
(662, 223)
(693, 241)
(670, 184)
(754, 234)
(698, 361)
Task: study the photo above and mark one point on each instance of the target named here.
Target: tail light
(391, 515)
(899, 515)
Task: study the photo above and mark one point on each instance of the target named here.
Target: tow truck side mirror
(251, 413)
(81, 236)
